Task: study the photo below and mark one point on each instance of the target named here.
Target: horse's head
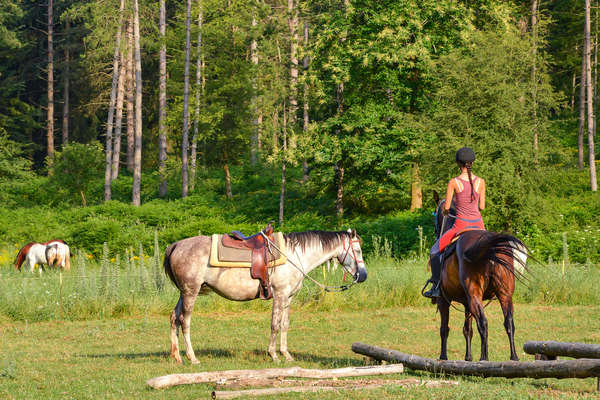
(351, 257)
(52, 254)
(439, 215)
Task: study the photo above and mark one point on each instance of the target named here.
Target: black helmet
(465, 155)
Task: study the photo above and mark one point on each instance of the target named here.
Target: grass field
(100, 330)
(112, 359)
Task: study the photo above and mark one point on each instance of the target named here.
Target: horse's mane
(22, 254)
(329, 240)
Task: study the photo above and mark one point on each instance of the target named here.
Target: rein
(331, 289)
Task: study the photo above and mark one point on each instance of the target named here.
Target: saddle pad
(221, 256)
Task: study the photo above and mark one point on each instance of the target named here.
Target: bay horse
(35, 253)
(483, 267)
(187, 265)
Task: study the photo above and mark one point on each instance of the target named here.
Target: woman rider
(468, 191)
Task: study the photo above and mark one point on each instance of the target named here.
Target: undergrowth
(133, 283)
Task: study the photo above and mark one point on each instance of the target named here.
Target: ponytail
(469, 165)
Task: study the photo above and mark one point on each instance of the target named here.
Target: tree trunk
(584, 368)
(186, 99)
(137, 156)
(534, 12)
(197, 110)
(574, 86)
(550, 348)
(293, 27)
(130, 98)
(227, 181)
(66, 82)
(111, 107)
(166, 381)
(283, 167)
(339, 201)
(590, 100)
(162, 103)
(116, 154)
(581, 129)
(254, 58)
(305, 102)
(50, 118)
(416, 195)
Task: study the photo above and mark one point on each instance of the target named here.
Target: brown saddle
(260, 247)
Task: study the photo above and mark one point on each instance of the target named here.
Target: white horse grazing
(59, 254)
(35, 253)
(187, 263)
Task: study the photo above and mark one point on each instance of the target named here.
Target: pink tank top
(465, 206)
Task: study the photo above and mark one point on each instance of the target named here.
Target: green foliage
(76, 167)
(484, 101)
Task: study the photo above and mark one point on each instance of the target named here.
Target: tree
(162, 107)
(589, 98)
(137, 157)
(77, 167)
(50, 119)
(199, 88)
(66, 83)
(186, 99)
(111, 107)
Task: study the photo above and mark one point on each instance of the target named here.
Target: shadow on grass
(337, 362)
(216, 353)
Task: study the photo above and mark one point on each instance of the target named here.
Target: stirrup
(432, 293)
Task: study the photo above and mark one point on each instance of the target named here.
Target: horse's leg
(476, 308)
(468, 332)
(175, 323)
(188, 306)
(285, 324)
(444, 308)
(509, 325)
(278, 305)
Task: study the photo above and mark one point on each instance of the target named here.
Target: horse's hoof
(288, 357)
(195, 361)
(177, 358)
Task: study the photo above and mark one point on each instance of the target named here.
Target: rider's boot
(436, 271)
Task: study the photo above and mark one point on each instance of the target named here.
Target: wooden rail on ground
(297, 372)
(581, 368)
(551, 350)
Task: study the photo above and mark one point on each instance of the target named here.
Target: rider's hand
(445, 212)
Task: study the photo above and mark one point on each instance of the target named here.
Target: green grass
(112, 359)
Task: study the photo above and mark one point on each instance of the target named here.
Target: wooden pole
(327, 387)
(297, 372)
(574, 350)
(584, 368)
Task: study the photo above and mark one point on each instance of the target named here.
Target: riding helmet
(465, 155)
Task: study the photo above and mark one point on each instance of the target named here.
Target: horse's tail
(22, 254)
(499, 248)
(167, 264)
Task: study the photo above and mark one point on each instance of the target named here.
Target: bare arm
(482, 195)
(449, 194)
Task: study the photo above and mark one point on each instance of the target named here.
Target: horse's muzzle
(360, 275)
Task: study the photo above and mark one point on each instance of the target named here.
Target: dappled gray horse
(187, 264)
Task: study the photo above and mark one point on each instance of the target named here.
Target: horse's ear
(436, 197)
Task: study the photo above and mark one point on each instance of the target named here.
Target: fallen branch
(296, 372)
(339, 385)
(582, 368)
(553, 349)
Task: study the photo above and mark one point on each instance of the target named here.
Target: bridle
(346, 253)
(326, 288)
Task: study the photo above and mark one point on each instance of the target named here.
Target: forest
(119, 119)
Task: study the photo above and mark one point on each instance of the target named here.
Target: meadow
(101, 329)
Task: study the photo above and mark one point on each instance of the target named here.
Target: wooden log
(582, 368)
(340, 385)
(553, 349)
(297, 372)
